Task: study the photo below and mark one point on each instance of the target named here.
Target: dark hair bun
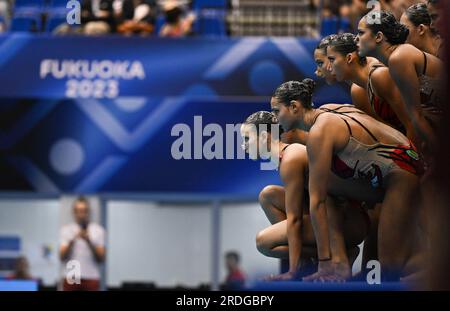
(394, 31)
(400, 35)
(296, 90)
(310, 85)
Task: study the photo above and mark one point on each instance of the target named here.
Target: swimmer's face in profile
(338, 63)
(285, 116)
(436, 19)
(365, 39)
(414, 32)
(254, 144)
(323, 67)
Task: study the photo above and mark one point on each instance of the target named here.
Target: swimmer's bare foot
(330, 272)
(342, 271)
(324, 271)
(288, 276)
(414, 278)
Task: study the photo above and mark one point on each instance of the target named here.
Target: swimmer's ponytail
(400, 35)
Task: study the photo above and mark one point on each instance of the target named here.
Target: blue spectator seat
(25, 23)
(206, 4)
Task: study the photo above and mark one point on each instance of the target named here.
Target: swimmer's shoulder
(405, 52)
(295, 155)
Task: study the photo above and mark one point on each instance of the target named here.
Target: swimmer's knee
(268, 194)
(261, 243)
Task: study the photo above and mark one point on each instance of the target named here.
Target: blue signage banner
(110, 67)
(103, 114)
(128, 146)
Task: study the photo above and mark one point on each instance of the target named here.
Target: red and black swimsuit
(381, 107)
(372, 162)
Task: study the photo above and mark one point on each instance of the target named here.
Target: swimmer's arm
(292, 174)
(385, 87)
(405, 77)
(320, 150)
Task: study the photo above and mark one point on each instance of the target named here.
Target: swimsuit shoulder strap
(370, 90)
(425, 63)
(282, 151)
(345, 114)
(336, 111)
(348, 126)
(322, 109)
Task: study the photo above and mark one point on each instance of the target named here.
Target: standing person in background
(235, 279)
(84, 242)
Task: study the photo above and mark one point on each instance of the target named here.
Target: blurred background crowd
(180, 18)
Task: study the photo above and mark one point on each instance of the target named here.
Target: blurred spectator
(396, 7)
(235, 279)
(353, 10)
(84, 242)
(335, 16)
(176, 24)
(97, 17)
(2, 24)
(334, 7)
(5, 10)
(135, 17)
(65, 29)
(358, 10)
(21, 270)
